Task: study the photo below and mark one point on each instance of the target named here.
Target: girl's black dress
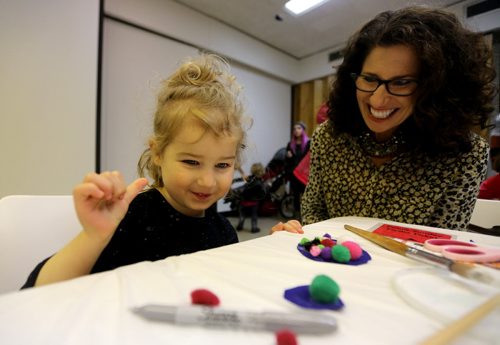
(152, 230)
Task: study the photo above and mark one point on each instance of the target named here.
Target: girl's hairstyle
(455, 81)
(203, 89)
(304, 138)
(257, 169)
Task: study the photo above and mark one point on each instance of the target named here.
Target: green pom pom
(341, 253)
(304, 240)
(324, 289)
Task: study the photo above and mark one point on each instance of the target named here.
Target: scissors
(462, 251)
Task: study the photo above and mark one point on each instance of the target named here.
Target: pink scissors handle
(462, 251)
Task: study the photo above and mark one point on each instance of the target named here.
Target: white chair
(32, 227)
(486, 215)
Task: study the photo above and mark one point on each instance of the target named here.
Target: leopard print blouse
(411, 188)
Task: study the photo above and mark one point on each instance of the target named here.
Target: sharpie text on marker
(307, 323)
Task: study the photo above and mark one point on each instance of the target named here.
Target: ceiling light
(298, 7)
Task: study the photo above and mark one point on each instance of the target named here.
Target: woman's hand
(102, 200)
(293, 226)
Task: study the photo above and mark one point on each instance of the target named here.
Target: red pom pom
(286, 337)
(204, 297)
(328, 242)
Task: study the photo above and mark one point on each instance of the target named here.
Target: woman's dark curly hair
(456, 78)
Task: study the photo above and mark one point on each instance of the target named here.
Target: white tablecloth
(251, 275)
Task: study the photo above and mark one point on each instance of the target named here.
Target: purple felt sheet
(363, 259)
(300, 296)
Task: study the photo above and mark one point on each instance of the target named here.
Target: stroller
(276, 196)
(279, 197)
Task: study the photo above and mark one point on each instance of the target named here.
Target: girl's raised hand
(290, 226)
(102, 200)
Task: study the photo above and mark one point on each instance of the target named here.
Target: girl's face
(297, 131)
(383, 112)
(197, 169)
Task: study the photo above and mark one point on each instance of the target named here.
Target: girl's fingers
(108, 186)
(87, 190)
(293, 226)
(295, 223)
(117, 183)
(134, 188)
(111, 183)
(277, 227)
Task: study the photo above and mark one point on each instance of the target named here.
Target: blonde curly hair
(203, 89)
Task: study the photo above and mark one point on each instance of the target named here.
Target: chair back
(32, 228)
(486, 214)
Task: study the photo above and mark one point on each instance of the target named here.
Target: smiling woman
(399, 143)
(386, 104)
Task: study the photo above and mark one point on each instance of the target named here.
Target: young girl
(197, 141)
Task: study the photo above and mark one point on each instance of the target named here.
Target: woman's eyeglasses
(396, 87)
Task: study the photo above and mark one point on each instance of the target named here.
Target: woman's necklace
(386, 148)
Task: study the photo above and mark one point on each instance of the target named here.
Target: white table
(251, 275)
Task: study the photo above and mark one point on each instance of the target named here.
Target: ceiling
(322, 29)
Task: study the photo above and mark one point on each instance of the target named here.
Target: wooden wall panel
(308, 98)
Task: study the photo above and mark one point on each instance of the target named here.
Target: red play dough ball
(286, 337)
(204, 297)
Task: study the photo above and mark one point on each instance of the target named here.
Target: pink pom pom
(204, 297)
(286, 337)
(354, 249)
(315, 250)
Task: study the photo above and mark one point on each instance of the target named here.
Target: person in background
(296, 149)
(198, 136)
(399, 142)
(252, 192)
(301, 171)
(490, 188)
(322, 114)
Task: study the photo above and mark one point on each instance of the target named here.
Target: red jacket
(490, 188)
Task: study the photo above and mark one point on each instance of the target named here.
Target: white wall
(48, 84)
(269, 105)
(485, 22)
(48, 78)
(135, 61)
(482, 23)
(171, 18)
(317, 66)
